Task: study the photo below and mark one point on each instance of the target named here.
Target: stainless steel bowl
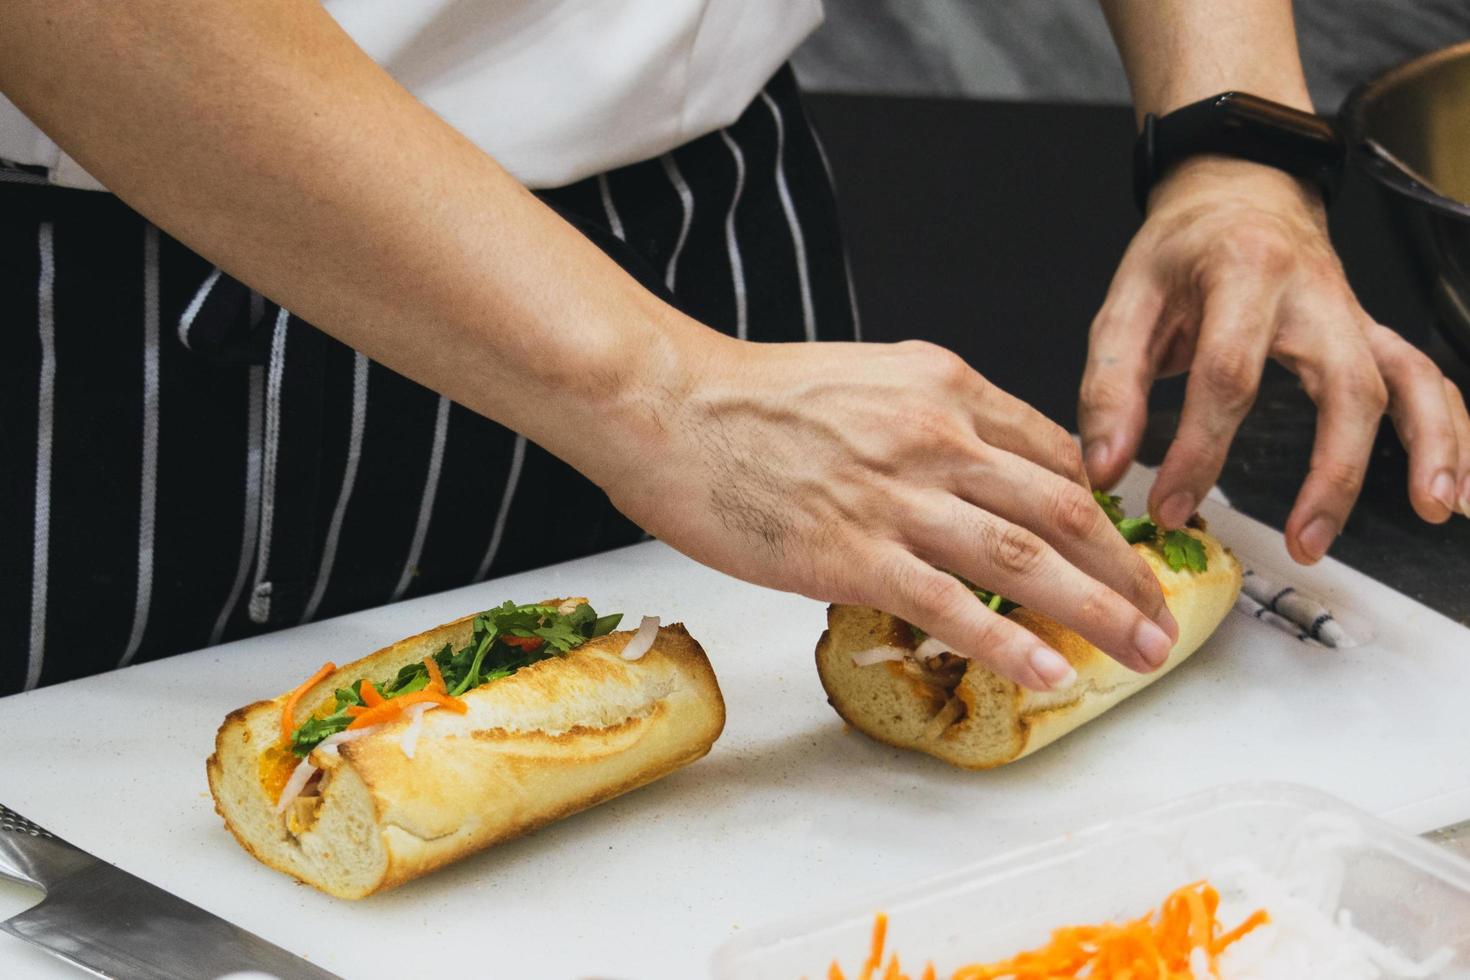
(1409, 129)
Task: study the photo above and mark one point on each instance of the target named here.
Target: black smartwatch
(1236, 124)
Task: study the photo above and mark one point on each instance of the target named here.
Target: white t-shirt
(556, 90)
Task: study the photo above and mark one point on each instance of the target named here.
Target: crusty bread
(553, 738)
(964, 713)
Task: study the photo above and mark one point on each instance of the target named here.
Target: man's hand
(1234, 266)
(865, 473)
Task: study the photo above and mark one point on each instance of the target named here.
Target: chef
(315, 306)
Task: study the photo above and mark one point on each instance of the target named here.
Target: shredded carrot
(369, 694)
(288, 710)
(436, 679)
(391, 709)
(524, 642)
(1256, 918)
(1156, 946)
(875, 951)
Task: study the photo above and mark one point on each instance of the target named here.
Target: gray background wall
(1060, 50)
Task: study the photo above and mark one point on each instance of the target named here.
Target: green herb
(1184, 551)
(314, 730)
(1111, 505)
(486, 657)
(1136, 529)
(1180, 549)
(994, 600)
(412, 677)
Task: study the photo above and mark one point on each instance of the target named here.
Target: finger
(1421, 415)
(1006, 558)
(940, 605)
(1112, 406)
(1351, 398)
(998, 417)
(1235, 337)
(1456, 400)
(1066, 517)
(1006, 422)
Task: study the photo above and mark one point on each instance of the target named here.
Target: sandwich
(891, 682)
(447, 742)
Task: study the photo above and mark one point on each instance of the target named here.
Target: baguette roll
(553, 738)
(962, 712)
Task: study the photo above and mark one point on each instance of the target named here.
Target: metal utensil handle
(14, 823)
(32, 855)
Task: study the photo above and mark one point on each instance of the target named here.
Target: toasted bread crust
(554, 738)
(995, 721)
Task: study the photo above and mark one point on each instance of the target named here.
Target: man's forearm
(261, 136)
(1234, 265)
(1180, 51)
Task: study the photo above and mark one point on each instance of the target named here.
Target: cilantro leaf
(486, 657)
(411, 677)
(604, 625)
(314, 730)
(1136, 529)
(1183, 550)
(1179, 549)
(471, 674)
(1110, 504)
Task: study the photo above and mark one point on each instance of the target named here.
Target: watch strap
(1244, 126)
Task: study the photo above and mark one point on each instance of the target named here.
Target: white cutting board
(788, 811)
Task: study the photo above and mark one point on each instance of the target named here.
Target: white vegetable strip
(642, 640)
(876, 655)
(303, 772)
(410, 739)
(1302, 940)
(932, 647)
(299, 778)
(330, 743)
(1310, 934)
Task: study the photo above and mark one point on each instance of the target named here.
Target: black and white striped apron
(184, 463)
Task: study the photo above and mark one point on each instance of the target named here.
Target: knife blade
(114, 924)
(1455, 836)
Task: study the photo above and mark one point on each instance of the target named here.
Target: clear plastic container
(1400, 890)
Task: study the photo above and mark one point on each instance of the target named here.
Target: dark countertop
(994, 228)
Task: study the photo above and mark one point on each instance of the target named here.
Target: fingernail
(1442, 488)
(1177, 509)
(1053, 668)
(1095, 455)
(1152, 643)
(1317, 537)
(1465, 497)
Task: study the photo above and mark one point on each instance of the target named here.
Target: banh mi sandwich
(889, 681)
(444, 743)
